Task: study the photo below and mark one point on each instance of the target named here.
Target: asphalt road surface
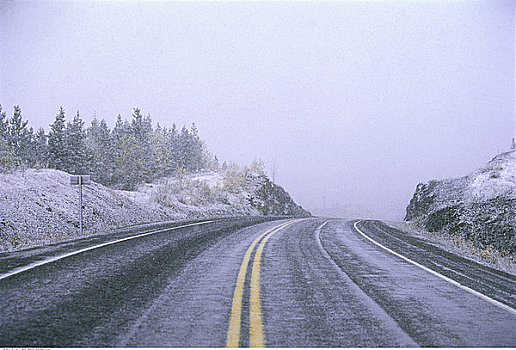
(253, 282)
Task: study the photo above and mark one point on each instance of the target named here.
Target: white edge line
(33, 265)
(409, 342)
(447, 279)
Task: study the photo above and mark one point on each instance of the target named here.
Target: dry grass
(501, 260)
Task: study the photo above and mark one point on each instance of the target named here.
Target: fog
(349, 104)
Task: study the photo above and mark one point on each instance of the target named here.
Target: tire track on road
(437, 274)
(404, 338)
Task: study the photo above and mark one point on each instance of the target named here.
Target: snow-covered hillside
(38, 206)
(480, 206)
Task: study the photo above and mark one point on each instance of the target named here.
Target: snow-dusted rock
(480, 206)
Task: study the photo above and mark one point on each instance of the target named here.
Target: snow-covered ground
(39, 206)
(498, 178)
(198, 195)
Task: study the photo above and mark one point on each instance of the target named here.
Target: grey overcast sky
(355, 102)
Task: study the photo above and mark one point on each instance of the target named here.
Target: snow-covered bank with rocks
(40, 206)
(480, 207)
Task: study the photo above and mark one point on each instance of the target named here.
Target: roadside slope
(40, 206)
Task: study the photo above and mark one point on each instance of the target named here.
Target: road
(253, 282)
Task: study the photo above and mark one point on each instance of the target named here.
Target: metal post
(80, 204)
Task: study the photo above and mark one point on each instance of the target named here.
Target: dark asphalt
(321, 286)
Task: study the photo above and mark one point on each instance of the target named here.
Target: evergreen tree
(41, 148)
(92, 148)
(191, 153)
(100, 150)
(160, 153)
(130, 163)
(141, 131)
(7, 159)
(57, 151)
(18, 137)
(120, 128)
(105, 141)
(28, 154)
(198, 153)
(132, 153)
(6, 156)
(4, 124)
(184, 146)
(141, 127)
(173, 149)
(75, 138)
(118, 135)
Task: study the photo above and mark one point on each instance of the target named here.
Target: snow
(40, 206)
(495, 179)
(211, 178)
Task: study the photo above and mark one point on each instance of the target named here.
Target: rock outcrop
(480, 206)
(271, 199)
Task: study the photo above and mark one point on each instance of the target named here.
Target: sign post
(80, 180)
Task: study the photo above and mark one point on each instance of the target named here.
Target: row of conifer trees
(130, 153)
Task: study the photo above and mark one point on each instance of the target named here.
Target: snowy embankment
(40, 206)
(480, 207)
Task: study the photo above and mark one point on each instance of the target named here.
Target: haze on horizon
(353, 103)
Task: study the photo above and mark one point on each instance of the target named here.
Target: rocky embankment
(271, 199)
(480, 206)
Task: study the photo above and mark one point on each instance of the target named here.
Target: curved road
(253, 282)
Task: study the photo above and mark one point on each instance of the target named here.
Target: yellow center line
(256, 331)
(233, 337)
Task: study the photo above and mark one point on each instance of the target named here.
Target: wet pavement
(321, 284)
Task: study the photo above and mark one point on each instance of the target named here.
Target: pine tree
(198, 153)
(118, 135)
(18, 136)
(132, 153)
(173, 149)
(57, 151)
(7, 159)
(160, 153)
(100, 150)
(41, 148)
(184, 146)
(75, 137)
(141, 127)
(130, 163)
(4, 124)
(141, 130)
(105, 141)
(28, 154)
(120, 128)
(191, 154)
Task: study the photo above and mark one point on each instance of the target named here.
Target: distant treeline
(129, 154)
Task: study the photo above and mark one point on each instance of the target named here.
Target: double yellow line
(256, 331)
